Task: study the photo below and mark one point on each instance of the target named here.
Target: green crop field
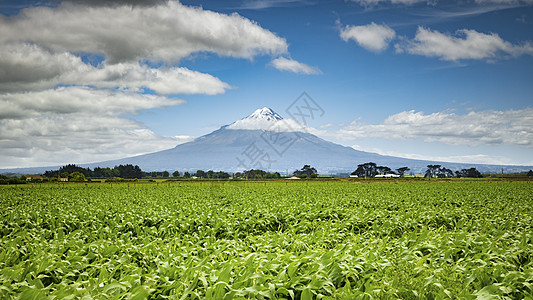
(295, 240)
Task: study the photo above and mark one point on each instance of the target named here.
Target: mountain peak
(265, 113)
(265, 119)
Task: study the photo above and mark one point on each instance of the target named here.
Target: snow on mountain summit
(266, 119)
(265, 113)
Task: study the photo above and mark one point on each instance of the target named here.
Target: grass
(268, 239)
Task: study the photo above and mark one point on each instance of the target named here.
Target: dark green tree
(382, 170)
(76, 176)
(306, 172)
(468, 173)
(401, 171)
(129, 171)
(368, 169)
(432, 171)
(176, 174)
(444, 173)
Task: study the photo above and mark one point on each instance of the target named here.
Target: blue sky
(88, 81)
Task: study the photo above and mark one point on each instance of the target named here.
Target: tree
(222, 175)
(438, 171)
(401, 171)
(432, 171)
(165, 174)
(201, 174)
(368, 169)
(444, 173)
(76, 176)
(359, 172)
(64, 175)
(71, 168)
(530, 173)
(275, 175)
(383, 170)
(306, 172)
(187, 175)
(468, 173)
(176, 174)
(254, 174)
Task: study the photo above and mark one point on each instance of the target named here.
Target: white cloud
(467, 44)
(40, 46)
(469, 159)
(70, 100)
(81, 124)
(55, 105)
(29, 67)
(372, 37)
(291, 65)
(74, 138)
(167, 32)
(511, 127)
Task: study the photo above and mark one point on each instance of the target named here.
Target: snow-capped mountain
(266, 119)
(264, 140)
(265, 113)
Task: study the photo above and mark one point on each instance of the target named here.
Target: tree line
(72, 171)
(128, 171)
(371, 169)
(77, 173)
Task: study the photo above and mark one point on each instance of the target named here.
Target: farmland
(300, 240)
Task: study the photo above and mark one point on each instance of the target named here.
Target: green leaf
(307, 294)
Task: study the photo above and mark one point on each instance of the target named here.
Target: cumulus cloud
(69, 100)
(30, 67)
(83, 124)
(54, 103)
(372, 37)
(168, 32)
(511, 127)
(75, 138)
(291, 65)
(469, 159)
(467, 44)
